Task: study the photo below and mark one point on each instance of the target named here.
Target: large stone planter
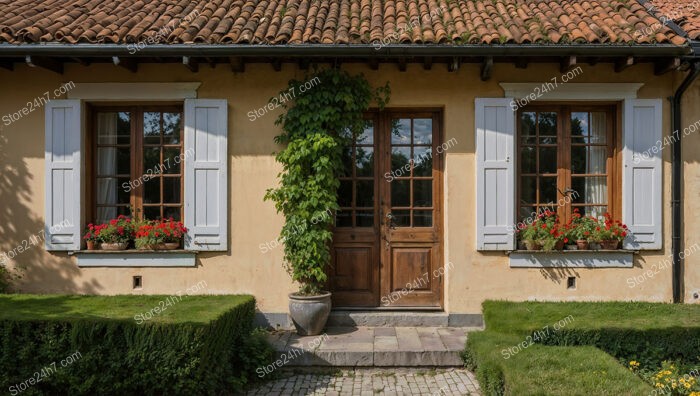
(309, 313)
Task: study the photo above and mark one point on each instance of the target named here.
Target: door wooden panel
(387, 245)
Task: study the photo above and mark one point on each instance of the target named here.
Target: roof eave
(355, 50)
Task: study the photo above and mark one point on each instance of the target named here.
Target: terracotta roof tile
(342, 21)
(686, 13)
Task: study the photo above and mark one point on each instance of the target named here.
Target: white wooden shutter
(206, 175)
(495, 177)
(642, 174)
(63, 184)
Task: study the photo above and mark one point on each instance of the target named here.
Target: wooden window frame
(136, 146)
(564, 141)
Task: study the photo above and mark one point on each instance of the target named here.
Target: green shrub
(119, 356)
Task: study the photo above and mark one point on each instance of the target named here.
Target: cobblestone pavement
(372, 381)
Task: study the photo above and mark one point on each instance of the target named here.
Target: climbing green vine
(316, 127)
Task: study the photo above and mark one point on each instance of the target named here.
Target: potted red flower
(160, 235)
(116, 234)
(91, 238)
(610, 233)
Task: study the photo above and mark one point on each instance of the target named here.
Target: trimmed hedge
(649, 346)
(119, 356)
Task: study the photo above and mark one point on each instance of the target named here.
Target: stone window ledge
(572, 259)
(136, 258)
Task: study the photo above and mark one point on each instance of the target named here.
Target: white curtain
(596, 187)
(106, 165)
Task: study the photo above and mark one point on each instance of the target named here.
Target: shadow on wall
(22, 238)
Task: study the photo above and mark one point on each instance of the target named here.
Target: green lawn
(504, 367)
(190, 309)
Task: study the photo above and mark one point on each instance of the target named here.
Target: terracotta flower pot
(582, 244)
(147, 247)
(114, 246)
(611, 244)
(91, 245)
(532, 245)
(559, 245)
(168, 246)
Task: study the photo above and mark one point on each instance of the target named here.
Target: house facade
(498, 111)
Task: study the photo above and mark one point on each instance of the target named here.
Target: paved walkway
(374, 347)
(372, 381)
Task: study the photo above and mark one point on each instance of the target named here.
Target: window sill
(572, 259)
(136, 258)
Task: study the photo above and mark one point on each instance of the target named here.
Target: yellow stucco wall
(691, 190)
(474, 276)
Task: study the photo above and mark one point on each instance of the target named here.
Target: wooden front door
(387, 246)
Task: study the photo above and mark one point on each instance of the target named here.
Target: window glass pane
(422, 161)
(527, 127)
(423, 218)
(364, 218)
(595, 211)
(401, 218)
(548, 160)
(400, 193)
(106, 161)
(547, 127)
(422, 131)
(589, 159)
(343, 218)
(364, 161)
(401, 131)
(151, 212)
(548, 190)
(172, 211)
(527, 212)
(171, 190)
(423, 193)
(345, 193)
(364, 193)
(151, 160)
(579, 127)
(598, 127)
(528, 189)
(151, 193)
(590, 190)
(171, 128)
(151, 127)
(579, 155)
(171, 160)
(400, 166)
(113, 128)
(528, 161)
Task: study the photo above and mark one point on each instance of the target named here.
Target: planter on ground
(309, 313)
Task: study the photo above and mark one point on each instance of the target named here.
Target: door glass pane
(364, 161)
(400, 193)
(400, 164)
(345, 193)
(401, 131)
(423, 218)
(364, 218)
(151, 127)
(347, 161)
(422, 161)
(343, 218)
(364, 190)
(367, 135)
(401, 218)
(423, 193)
(423, 131)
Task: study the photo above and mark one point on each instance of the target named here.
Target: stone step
(371, 347)
(351, 318)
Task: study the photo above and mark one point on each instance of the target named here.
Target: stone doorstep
(373, 347)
